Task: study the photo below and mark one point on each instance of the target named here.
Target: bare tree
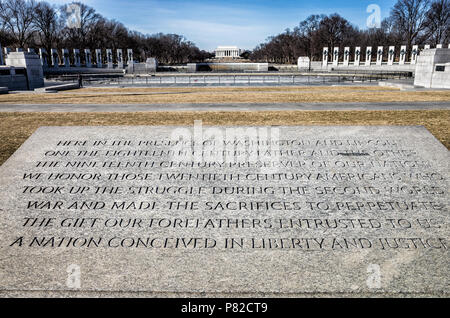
(335, 30)
(308, 32)
(78, 35)
(47, 24)
(410, 18)
(17, 18)
(437, 24)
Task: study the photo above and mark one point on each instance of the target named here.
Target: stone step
(57, 88)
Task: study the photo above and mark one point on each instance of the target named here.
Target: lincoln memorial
(228, 51)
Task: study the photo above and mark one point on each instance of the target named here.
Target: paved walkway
(220, 107)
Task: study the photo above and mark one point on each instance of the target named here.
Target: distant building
(228, 51)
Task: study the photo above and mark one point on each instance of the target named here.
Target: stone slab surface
(319, 211)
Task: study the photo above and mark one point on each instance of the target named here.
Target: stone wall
(433, 69)
(227, 67)
(318, 66)
(13, 78)
(373, 56)
(32, 65)
(76, 58)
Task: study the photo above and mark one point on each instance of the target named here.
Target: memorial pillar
(391, 56)
(336, 56)
(6, 51)
(357, 56)
(65, 54)
(88, 56)
(368, 56)
(380, 55)
(346, 56)
(43, 56)
(402, 59)
(427, 47)
(325, 57)
(439, 46)
(109, 57)
(2, 61)
(130, 56)
(414, 53)
(98, 57)
(55, 58)
(119, 58)
(77, 57)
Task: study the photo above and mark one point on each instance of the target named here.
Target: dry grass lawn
(15, 128)
(180, 95)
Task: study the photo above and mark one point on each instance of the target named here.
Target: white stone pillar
(65, 54)
(88, 57)
(402, 59)
(44, 57)
(391, 55)
(325, 56)
(55, 58)
(2, 61)
(380, 55)
(439, 46)
(427, 47)
(368, 56)
(119, 58)
(6, 50)
(109, 58)
(357, 56)
(130, 56)
(346, 56)
(414, 53)
(77, 57)
(98, 58)
(31, 50)
(449, 46)
(336, 56)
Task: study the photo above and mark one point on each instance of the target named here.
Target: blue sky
(227, 22)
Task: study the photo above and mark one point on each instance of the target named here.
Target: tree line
(30, 24)
(410, 22)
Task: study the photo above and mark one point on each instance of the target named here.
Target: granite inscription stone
(218, 210)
